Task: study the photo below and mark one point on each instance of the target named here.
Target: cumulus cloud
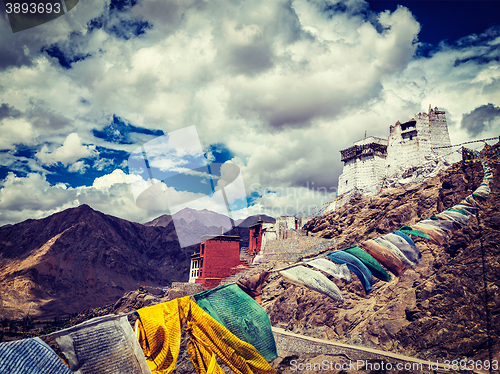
(33, 196)
(78, 167)
(16, 131)
(103, 163)
(480, 119)
(283, 85)
(68, 153)
(7, 111)
(31, 193)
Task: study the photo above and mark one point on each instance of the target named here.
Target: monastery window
(408, 125)
(409, 135)
(202, 248)
(194, 269)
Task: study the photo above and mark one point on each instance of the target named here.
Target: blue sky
(278, 88)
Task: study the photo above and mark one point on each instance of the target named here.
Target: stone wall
(187, 288)
(370, 173)
(365, 173)
(409, 145)
(269, 232)
(341, 200)
(288, 344)
(349, 176)
(293, 248)
(303, 220)
(403, 149)
(440, 136)
(366, 170)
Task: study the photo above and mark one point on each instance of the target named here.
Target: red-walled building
(219, 258)
(255, 240)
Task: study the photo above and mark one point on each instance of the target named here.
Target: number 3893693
(33, 8)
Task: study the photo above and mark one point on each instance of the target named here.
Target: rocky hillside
(81, 258)
(447, 307)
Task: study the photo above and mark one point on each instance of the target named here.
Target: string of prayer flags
(410, 255)
(411, 251)
(395, 250)
(375, 268)
(439, 227)
(159, 333)
(459, 218)
(383, 256)
(354, 265)
(30, 356)
(410, 230)
(435, 234)
(469, 142)
(316, 281)
(335, 270)
(105, 345)
(239, 313)
(442, 223)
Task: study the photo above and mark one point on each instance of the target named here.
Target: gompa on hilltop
(372, 160)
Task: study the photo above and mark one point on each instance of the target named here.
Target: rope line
(469, 142)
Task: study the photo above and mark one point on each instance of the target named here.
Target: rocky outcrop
(445, 308)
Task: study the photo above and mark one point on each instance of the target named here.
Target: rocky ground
(448, 307)
(439, 310)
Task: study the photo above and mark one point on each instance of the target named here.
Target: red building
(219, 258)
(255, 240)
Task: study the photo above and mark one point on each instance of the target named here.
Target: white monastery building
(369, 161)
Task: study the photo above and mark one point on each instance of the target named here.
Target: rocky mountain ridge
(448, 307)
(81, 258)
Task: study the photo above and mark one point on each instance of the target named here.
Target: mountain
(81, 258)
(205, 216)
(161, 221)
(252, 220)
(192, 224)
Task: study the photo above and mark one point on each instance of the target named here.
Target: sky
(276, 88)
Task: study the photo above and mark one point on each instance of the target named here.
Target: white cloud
(284, 85)
(103, 163)
(107, 181)
(32, 196)
(68, 153)
(15, 131)
(78, 167)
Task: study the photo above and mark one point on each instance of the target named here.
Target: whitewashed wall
(409, 145)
